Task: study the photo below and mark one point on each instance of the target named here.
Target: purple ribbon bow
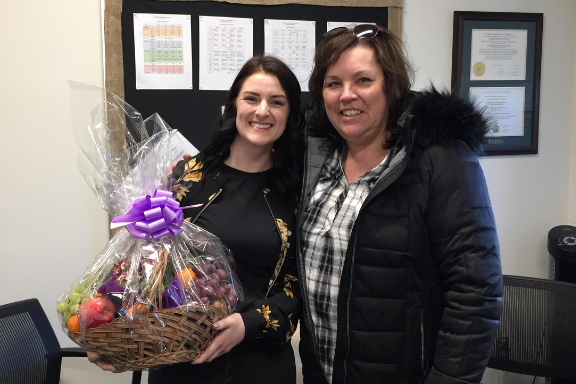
(156, 216)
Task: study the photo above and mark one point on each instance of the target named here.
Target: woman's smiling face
(354, 96)
(261, 111)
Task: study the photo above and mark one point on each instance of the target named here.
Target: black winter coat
(421, 288)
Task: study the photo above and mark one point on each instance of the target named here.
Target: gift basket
(152, 295)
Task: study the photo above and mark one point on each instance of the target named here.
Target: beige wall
(530, 193)
(52, 226)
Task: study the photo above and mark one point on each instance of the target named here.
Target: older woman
(399, 257)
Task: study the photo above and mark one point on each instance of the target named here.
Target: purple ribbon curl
(156, 216)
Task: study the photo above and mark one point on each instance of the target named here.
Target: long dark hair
(286, 170)
(389, 54)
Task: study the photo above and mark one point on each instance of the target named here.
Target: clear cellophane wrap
(153, 293)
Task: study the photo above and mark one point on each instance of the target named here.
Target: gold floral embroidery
(288, 285)
(191, 173)
(180, 191)
(266, 314)
(284, 232)
(288, 278)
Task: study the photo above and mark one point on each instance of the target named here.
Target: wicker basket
(171, 336)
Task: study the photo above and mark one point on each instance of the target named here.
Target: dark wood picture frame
(464, 23)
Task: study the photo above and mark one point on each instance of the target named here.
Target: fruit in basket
(214, 284)
(209, 292)
(74, 309)
(223, 274)
(75, 297)
(186, 277)
(137, 310)
(63, 307)
(221, 292)
(96, 311)
(73, 324)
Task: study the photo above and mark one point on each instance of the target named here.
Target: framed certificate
(496, 60)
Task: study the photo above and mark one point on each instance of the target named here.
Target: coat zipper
(308, 317)
(283, 257)
(210, 200)
(370, 196)
(424, 362)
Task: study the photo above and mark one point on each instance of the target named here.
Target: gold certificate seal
(479, 69)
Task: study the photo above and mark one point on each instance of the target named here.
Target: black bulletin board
(194, 112)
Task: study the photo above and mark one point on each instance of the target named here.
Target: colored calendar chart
(163, 51)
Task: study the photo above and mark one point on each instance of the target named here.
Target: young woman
(248, 180)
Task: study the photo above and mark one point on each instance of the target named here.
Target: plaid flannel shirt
(327, 226)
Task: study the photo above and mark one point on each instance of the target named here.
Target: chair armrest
(73, 352)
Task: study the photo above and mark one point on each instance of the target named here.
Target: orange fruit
(73, 324)
(137, 310)
(186, 277)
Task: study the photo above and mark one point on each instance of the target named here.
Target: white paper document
(225, 45)
(498, 54)
(506, 107)
(293, 42)
(163, 51)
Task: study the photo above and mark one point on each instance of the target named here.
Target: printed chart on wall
(225, 45)
(163, 51)
(293, 42)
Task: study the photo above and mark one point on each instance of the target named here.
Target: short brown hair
(389, 53)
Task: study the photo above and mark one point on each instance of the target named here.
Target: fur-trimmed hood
(434, 116)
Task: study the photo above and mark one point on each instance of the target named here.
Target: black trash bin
(562, 249)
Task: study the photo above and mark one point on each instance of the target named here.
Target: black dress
(244, 218)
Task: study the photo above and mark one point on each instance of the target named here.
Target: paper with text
(163, 51)
(225, 45)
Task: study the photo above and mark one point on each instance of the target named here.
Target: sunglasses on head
(362, 31)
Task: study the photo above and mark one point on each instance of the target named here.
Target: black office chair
(537, 332)
(29, 350)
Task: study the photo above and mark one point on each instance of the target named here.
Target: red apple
(95, 311)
